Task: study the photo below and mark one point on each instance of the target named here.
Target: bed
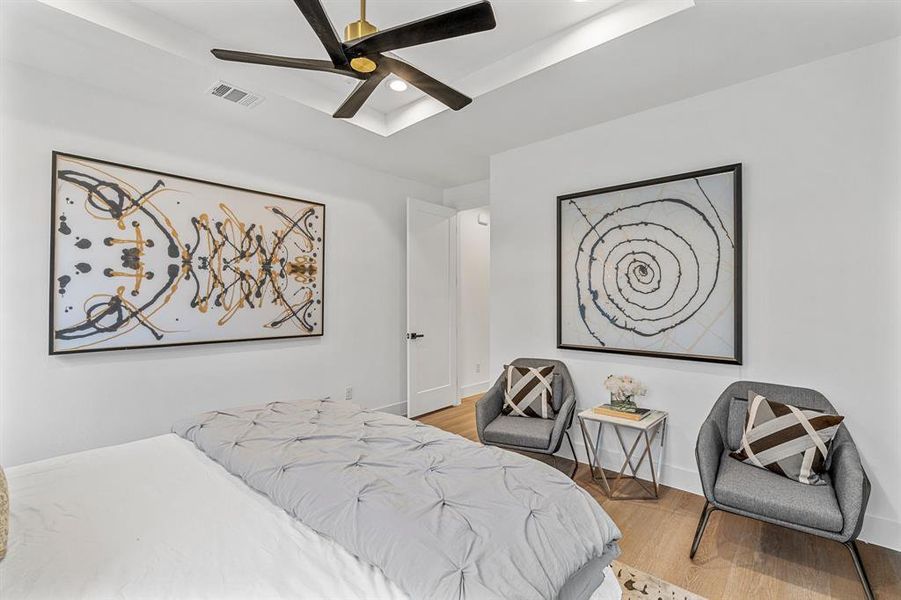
(162, 518)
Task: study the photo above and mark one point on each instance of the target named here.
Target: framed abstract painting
(653, 267)
(141, 259)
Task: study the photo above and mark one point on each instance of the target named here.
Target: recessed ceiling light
(397, 85)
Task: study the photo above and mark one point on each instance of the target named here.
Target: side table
(647, 428)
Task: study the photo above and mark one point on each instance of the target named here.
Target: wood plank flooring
(738, 558)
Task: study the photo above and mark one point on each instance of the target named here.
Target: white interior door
(431, 307)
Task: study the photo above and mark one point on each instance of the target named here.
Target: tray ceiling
(81, 51)
(530, 36)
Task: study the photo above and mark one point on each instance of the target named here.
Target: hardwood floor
(738, 557)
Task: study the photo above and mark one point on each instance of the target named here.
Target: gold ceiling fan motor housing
(356, 30)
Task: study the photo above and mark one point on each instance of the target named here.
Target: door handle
(413, 336)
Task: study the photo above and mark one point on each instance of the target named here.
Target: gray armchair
(543, 436)
(833, 511)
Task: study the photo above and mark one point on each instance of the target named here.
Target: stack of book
(631, 413)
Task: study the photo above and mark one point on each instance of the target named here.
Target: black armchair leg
(861, 572)
(702, 525)
(575, 460)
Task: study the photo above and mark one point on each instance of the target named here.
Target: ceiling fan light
(398, 85)
(364, 45)
(363, 65)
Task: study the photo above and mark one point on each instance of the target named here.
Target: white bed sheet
(158, 519)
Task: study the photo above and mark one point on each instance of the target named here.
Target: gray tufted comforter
(441, 516)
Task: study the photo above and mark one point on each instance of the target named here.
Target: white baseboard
(398, 408)
(667, 474)
(876, 530)
(881, 531)
(474, 388)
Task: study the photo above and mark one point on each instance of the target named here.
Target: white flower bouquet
(623, 390)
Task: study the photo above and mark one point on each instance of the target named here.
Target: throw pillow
(787, 440)
(529, 391)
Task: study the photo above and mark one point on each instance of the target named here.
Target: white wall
(468, 195)
(52, 405)
(473, 375)
(820, 147)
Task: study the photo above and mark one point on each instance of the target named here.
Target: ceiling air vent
(226, 91)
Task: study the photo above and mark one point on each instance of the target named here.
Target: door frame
(453, 285)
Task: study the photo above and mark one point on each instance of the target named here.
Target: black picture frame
(52, 351)
(736, 359)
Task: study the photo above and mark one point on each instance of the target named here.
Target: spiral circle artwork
(645, 265)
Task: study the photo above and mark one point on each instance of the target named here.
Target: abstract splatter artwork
(653, 267)
(141, 258)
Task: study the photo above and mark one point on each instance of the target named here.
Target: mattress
(158, 519)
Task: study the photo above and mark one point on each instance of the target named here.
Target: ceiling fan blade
(359, 96)
(428, 84)
(307, 64)
(453, 23)
(323, 28)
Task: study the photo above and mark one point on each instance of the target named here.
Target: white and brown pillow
(529, 391)
(787, 440)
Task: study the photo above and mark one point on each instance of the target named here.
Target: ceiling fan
(366, 55)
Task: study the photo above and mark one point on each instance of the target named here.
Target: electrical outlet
(478, 367)
(348, 393)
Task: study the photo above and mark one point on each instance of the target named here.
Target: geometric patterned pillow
(787, 440)
(529, 392)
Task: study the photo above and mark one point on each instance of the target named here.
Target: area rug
(638, 585)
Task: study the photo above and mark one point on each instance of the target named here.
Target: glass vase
(622, 402)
